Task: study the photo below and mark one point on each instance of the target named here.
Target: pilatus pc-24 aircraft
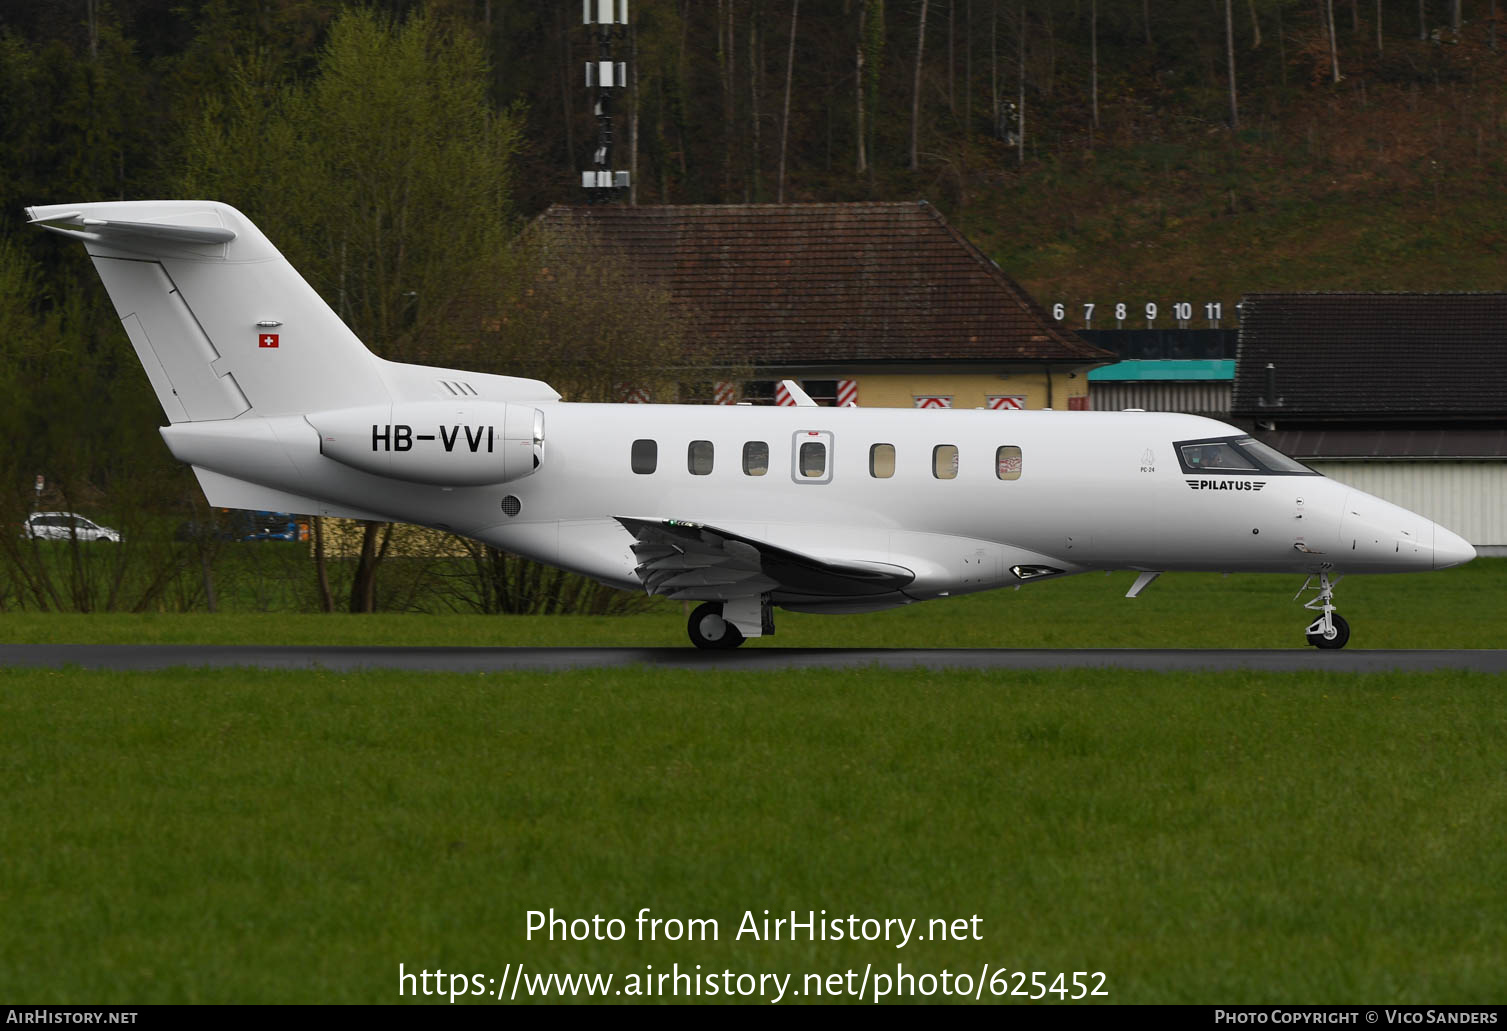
(278, 406)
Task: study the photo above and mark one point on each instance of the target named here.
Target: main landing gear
(709, 630)
(1330, 630)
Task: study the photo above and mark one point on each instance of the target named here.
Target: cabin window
(645, 456)
(882, 461)
(698, 457)
(944, 461)
(813, 461)
(755, 458)
(1007, 462)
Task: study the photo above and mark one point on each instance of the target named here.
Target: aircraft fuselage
(1072, 491)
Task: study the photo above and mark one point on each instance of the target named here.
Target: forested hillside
(1138, 144)
(1101, 150)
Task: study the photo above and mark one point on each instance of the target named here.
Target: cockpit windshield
(1218, 455)
(1236, 455)
(1273, 459)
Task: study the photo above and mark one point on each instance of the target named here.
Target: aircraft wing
(692, 561)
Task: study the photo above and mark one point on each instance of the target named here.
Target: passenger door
(811, 456)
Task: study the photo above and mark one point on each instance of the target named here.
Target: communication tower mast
(606, 20)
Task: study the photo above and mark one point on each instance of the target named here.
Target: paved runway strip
(499, 660)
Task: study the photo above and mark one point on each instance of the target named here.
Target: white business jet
(278, 406)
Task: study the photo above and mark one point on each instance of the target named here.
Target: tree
(994, 63)
(727, 63)
(57, 351)
(1334, 51)
(858, 84)
(563, 27)
(571, 310)
(754, 191)
(795, 10)
(1020, 111)
(915, 103)
(1093, 75)
(968, 68)
(1229, 49)
(869, 54)
(952, 104)
(395, 228)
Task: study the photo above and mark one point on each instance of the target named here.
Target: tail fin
(221, 322)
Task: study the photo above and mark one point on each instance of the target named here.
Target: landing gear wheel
(709, 630)
(1318, 639)
(1330, 630)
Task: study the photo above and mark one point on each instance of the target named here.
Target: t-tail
(220, 320)
(243, 353)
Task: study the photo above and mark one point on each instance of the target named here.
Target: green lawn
(281, 837)
(1457, 608)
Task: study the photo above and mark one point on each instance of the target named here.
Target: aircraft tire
(1341, 635)
(701, 632)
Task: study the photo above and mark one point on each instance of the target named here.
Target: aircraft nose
(1450, 549)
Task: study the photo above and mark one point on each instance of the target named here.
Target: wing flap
(687, 561)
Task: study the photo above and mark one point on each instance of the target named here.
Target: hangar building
(1400, 395)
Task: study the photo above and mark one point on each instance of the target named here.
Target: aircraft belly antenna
(1142, 582)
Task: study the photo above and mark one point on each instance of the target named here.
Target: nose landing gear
(1330, 630)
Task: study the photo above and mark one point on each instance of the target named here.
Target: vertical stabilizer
(222, 323)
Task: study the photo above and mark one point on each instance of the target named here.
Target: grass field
(280, 837)
(1457, 608)
(234, 836)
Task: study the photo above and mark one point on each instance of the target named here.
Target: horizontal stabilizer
(77, 225)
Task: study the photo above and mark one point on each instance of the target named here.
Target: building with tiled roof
(884, 300)
(1401, 395)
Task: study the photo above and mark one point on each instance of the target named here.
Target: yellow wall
(968, 389)
(342, 539)
(898, 388)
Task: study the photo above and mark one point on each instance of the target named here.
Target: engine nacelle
(447, 444)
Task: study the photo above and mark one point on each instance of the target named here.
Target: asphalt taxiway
(500, 660)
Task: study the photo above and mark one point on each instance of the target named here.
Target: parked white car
(62, 526)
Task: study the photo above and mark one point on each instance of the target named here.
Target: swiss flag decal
(267, 340)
